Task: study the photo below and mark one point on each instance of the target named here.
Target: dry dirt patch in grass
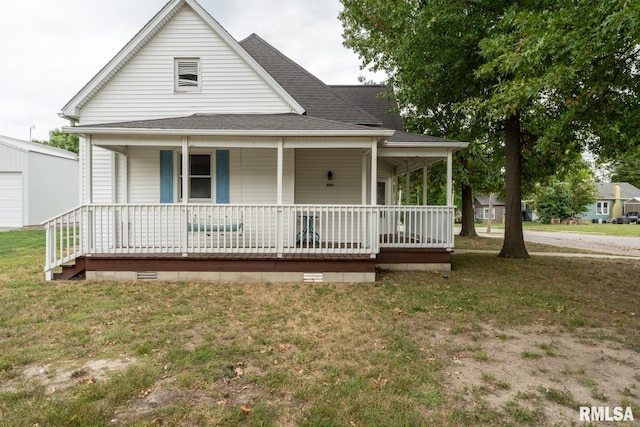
(540, 369)
(64, 374)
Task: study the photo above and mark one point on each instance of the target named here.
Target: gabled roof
(316, 97)
(365, 106)
(72, 108)
(33, 147)
(627, 191)
(483, 200)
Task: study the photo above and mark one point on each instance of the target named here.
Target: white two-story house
(205, 158)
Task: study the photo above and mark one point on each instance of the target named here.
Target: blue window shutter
(222, 176)
(166, 176)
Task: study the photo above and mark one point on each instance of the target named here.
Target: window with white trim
(485, 214)
(602, 208)
(187, 74)
(199, 176)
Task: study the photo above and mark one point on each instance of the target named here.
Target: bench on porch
(213, 226)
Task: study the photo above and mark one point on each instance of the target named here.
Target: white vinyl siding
(253, 176)
(102, 178)
(144, 175)
(11, 199)
(145, 87)
(312, 166)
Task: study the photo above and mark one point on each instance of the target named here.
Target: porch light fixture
(329, 178)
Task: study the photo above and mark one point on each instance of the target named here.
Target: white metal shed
(37, 182)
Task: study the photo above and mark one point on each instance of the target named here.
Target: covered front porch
(177, 237)
(206, 189)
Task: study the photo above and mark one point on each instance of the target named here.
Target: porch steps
(75, 271)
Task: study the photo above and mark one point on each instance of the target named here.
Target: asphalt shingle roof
(250, 122)
(627, 191)
(377, 100)
(315, 97)
(483, 200)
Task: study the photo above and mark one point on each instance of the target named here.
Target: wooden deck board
(251, 263)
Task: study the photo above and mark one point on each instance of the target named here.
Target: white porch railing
(243, 229)
(416, 226)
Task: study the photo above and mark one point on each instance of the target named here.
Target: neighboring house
(483, 212)
(37, 182)
(204, 158)
(608, 203)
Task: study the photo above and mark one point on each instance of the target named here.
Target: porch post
(374, 231)
(125, 166)
(396, 189)
(407, 188)
(280, 171)
(374, 172)
(185, 170)
(89, 145)
(280, 214)
(185, 194)
(449, 178)
(364, 179)
(425, 183)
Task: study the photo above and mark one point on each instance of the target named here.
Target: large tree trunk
(513, 246)
(468, 217)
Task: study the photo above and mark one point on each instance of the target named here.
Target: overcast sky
(51, 48)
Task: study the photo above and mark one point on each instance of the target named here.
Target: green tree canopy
(568, 196)
(626, 167)
(550, 76)
(63, 140)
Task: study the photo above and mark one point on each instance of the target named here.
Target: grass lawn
(494, 342)
(631, 230)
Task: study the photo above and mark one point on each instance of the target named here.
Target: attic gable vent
(187, 74)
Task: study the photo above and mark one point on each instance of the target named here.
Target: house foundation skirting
(333, 268)
(234, 276)
(232, 268)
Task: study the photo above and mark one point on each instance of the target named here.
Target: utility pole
(490, 212)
